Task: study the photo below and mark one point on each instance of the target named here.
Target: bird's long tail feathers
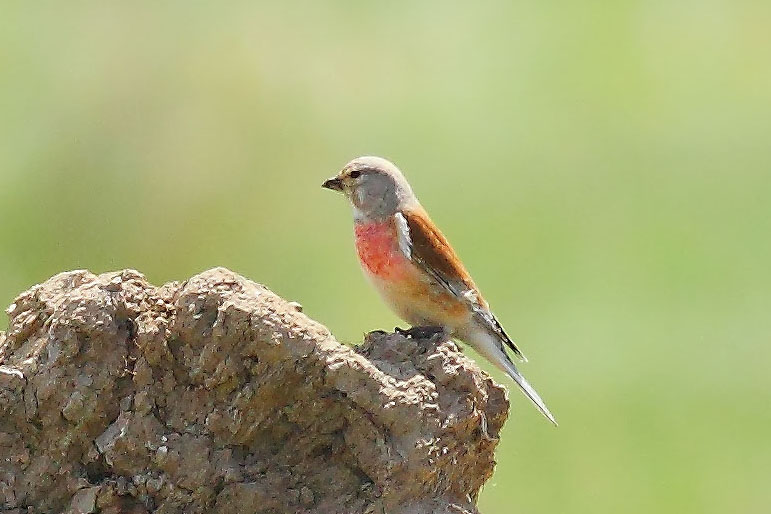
(492, 349)
(523, 384)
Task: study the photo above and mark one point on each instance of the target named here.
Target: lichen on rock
(216, 395)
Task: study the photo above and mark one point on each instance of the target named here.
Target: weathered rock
(216, 395)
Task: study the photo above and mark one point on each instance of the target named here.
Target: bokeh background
(604, 169)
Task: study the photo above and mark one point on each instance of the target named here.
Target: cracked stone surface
(216, 395)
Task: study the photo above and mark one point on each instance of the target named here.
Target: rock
(216, 395)
(84, 501)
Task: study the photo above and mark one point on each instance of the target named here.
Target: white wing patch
(405, 241)
(471, 297)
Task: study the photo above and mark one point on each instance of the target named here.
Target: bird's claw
(426, 332)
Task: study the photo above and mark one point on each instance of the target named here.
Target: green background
(603, 168)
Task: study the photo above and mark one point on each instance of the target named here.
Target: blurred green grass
(603, 169)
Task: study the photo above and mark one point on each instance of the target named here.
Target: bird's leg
(425, 332)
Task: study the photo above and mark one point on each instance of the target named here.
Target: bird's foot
(426, 332)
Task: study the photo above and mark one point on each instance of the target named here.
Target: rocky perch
(216, 395)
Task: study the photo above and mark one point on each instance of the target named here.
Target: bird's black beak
(334, 183)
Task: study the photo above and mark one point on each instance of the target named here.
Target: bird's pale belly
(405, 289)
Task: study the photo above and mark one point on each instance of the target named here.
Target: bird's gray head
(375, 187)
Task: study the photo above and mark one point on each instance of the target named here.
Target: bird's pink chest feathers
(377, 244)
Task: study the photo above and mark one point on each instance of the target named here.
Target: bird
(417, 273)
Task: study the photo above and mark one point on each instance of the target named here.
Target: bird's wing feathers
(426, 246)
(429, 249)
(403, 233)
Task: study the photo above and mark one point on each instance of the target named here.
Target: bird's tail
(492, 349)
(523, 384)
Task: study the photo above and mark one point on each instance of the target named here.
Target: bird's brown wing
(430, 250)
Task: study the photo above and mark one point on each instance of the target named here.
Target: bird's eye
(355, 174)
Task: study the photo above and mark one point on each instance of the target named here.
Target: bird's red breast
(378, 247)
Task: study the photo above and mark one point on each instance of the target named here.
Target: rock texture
(215, 395)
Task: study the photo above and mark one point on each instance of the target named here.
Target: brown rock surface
(216, 395)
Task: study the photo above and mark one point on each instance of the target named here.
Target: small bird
(414, 268)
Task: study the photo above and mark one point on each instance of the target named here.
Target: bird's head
(375, 187)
